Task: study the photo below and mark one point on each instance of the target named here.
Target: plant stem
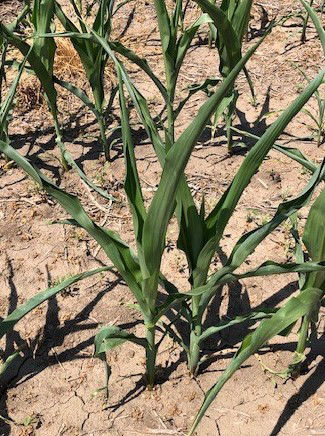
(229, 119)
(99, 99)
(106, 148)
(170, 121)
(151, 353)
(303, 335)
(295, 367)
(304, 29)
(196, 330)
(60, 143)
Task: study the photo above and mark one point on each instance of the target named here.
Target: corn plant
(141, 271)
(317, 117)
(230, 22)
(94, 60)
(41, 59)
(306, 18)
(200, 234)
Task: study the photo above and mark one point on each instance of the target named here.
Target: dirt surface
(51, 389)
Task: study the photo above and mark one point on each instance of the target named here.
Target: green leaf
(5, 365)
(291, 152)
(164, 24)
(162, 204)
(83, 176)
(314, 240)
(296, 308)
(193, 89)
(271, 268)
(142, 63)
(111, 336)
(317, 23)
(42, 17)
(186, 38)
(36, 63)
(132, 183)
(241, 18)
(6, 105)
(228, 43)
(220, 215)
(225, 276)
(249, 242)
(116, 250)
(252, 316)
(79, 93)
(11, 320)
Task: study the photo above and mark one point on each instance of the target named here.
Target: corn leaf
(186, 38)
(317, 23)
(161, 206)
(142, 63)
(164, 24)
(36, 63)
(132, 183)
(249, 242)
(111, 336)
(116, 250)
(7, 104)
(297, 307)
(42, 16)
(220, 215)
(229, 46)
(314, 240)
(241, 17)
(226, 276)
(79, 93)
(291, 152)
(252, 316)
(11, 320)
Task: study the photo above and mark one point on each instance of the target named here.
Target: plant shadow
(36, 354)
(309, 387)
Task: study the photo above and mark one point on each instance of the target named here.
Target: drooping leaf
(116, 250)
(293, 310)
(111, 336)
(11, 320)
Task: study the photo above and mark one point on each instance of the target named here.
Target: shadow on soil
(38, 355)
(53, 335)
(310, 386)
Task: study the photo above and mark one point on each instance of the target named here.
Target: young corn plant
(176, 39)
(230, 23)
(40, 58)
(175, 42)
(199, 235)
(7, 324)
(94, 60)
(306, 19)
(317, 117)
